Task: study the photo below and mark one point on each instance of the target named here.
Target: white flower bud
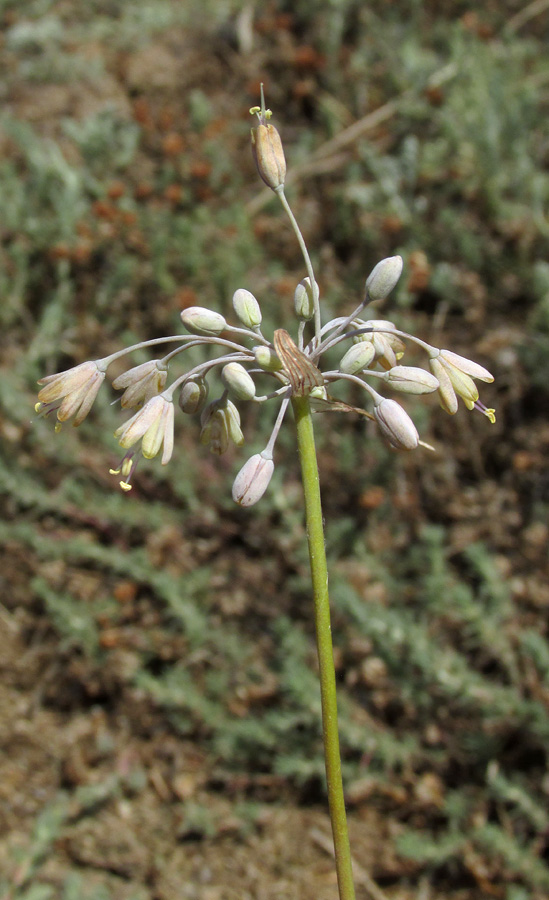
(267, 358)
(199, 320)
(247, 308)
(253, 479)
(238, 380)
(357, 358)
(304, 299)
(411, 380)
(193, 396)
(383, 277)
(396, 425)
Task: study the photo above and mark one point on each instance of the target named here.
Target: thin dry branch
(524, 15)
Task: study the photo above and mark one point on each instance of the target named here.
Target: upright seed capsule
(267, 148)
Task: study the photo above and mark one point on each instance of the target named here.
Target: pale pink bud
(238, 380)
(193, 396)
(395, 425)
(411, 380)
(199, 320)
(304, 303)
(247, 308)
(253, 479)
(357, 358)
(383, 277)
(267, 358)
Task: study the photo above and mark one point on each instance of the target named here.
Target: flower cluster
(369, 351)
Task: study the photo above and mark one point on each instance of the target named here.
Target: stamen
(126, 468)
(489, 413)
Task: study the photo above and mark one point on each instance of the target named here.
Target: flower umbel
(258, 368)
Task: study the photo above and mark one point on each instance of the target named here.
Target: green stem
(319, 573)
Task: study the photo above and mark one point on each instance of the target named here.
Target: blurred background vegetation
(158, 662)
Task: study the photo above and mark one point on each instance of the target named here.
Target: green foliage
(73, 621)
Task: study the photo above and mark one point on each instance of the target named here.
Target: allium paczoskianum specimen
(288, 366)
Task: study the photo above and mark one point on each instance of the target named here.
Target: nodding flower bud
(267, 358)
(253, 479)
(199, 320)
(304, 303)
(395, 424)
(238, 380)
(383, 278)
(357, 358)
(220, 422)
(247, 308)
(193, 396)
(411, 380)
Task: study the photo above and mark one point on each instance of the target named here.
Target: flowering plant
(371, 350)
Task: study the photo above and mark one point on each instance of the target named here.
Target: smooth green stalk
(319, 573)
(308, 265)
